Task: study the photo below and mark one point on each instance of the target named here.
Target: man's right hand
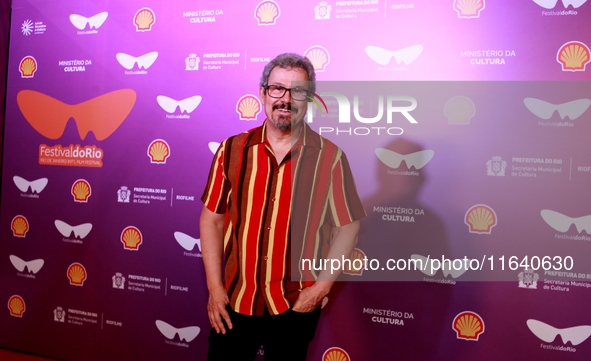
(211, 227)
(216, 309)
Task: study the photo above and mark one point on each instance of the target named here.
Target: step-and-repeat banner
(465, 122)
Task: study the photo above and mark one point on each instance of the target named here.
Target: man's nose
(286, 96)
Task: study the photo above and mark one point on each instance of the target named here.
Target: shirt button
(277, 171)
(269, 227)
(265, 258)
(273, 199)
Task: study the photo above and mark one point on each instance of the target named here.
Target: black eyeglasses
(278, 91)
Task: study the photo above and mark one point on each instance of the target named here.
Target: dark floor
(9, 355)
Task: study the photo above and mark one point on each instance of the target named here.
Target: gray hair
(290, 60)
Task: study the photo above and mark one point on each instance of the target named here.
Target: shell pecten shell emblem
(319, 57)
(19, 226)
(144, 19)
(131, 237)
(355, 268)
(248, 107)
(573, 56)
(16, 305)
(468, 325)
(77, 274)
(459, 110)
(27, 67)
(335, 354)
(267, 12)
(158, 151)
(469, 8)
(81, 190)
(480, 219)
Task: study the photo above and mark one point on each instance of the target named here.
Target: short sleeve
(344, 203)
(215, 194)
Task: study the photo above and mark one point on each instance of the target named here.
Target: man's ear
(261, 93)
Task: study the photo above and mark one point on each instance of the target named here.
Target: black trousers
(284, 337)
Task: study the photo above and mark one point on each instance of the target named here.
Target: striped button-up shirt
(276, 211)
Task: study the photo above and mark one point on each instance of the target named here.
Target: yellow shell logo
(267, 12)
(81, 191)
(573, 56)
(459, 110)
(158, 151)
(27, 67)
(319, 57)
(480, 219)
(76, 274)
(144, 19)
(19, 226)
(131, 238)
(335, 354)
(468, 8)
(468, 325)
(16, 305)
(356, 266)
(248, 107)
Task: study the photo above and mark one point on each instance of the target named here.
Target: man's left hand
(311, 297)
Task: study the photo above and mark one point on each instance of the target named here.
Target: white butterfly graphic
(186, 105)
(36, 186)
(187, 334)
(32, 266)
(66, 230)
(95, 21)
(392, 159)
(446, 268)
(383, 56)
(143, 62)
(550, 4)
(547, 333)
(544, 110)
(213, 146)
(186, 241)
(562, 223)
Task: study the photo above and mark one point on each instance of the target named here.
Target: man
(276, 190)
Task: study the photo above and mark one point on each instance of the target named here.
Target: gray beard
(286, 125)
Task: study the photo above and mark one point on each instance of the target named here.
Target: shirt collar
(308, 137)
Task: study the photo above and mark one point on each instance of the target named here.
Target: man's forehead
(289, 73)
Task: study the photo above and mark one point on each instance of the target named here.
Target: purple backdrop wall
(113, 109)
(4, 24)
